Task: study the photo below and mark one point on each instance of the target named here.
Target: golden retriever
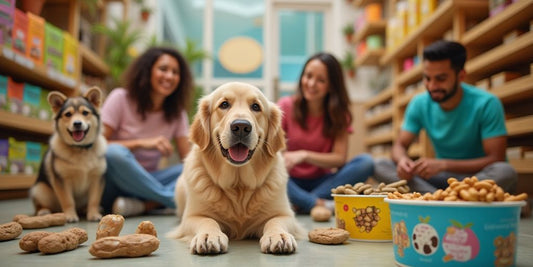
(234, 183)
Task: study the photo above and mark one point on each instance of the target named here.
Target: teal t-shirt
(458, 133)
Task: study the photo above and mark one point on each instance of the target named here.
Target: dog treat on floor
(134, 245)
(110, 225)
(51, 243)
(43, 221)
(328, 236)
(320, 214)
(10, 231)
(146, 227)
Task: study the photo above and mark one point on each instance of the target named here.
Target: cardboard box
(3, 92)
(70, 56)
(16, 156)
(20, 32)
(501, 78)
(7, 9)
(35, 38)
(31, 100)
(45, 111)
(33, 158)
(483, 84)
(53, 47)
(15, 95)
(4, 152)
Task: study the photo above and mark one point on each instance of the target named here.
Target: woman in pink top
(317, 124)
(140, 122)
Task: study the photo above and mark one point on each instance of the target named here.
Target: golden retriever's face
(237, 120)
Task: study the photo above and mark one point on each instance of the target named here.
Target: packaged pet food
(70, 56)
(4, 150)
(31, 100)
(53, 47)
(33, 157)
(16, 156)
(35, 38)
(20, 32)
(7, 9)
(3, 92)
(45, 111)
(15, 94)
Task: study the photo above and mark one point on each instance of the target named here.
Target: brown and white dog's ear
(275, 140)
(56, 100)
(94, 96)
(200, 133)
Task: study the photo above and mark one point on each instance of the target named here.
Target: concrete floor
(240, 253)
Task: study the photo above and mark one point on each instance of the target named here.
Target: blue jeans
(303, 193)
(126, 177)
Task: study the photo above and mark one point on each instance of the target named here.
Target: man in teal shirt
(465, 124)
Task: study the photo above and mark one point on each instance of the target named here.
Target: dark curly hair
(137, 80)
(337, 116)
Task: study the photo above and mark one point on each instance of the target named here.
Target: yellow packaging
(427, 7)
(35, 39)
(70, 56)
(366, 217)
(413, 13)
(401, 14)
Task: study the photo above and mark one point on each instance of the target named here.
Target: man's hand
(405, 168)
(428, 167)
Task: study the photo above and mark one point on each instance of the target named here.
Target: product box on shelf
(31, 100)
(3, 92)
(4, 151)
(45, 111)
(7, 8)
(427, 7)
(53, 47)
(16, 156)
(33, 157)
(70, 55)
(20, 32)
(15, 95)
(35, 38)
(373, 12)
(413, 13)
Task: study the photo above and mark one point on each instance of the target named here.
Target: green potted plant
(348, 31)
(145, 13)
(348, 63)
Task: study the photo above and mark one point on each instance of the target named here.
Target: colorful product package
(16, 156)
(35, 43)
(70, 56)
(15, 94)
(31, 100)
(33, 158)
(20, 32)
(3, 92)
(45, 111)
(53, 47)
(7, 9)
(4, 151)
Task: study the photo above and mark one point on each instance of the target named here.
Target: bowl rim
(441, 203)
(353, 196)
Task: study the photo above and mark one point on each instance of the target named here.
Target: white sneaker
(126, 206)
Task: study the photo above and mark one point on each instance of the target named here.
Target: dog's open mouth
(238, 153)
(78, 135)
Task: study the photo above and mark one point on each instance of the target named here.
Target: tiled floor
(241, 253)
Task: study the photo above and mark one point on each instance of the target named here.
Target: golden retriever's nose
(241, 128)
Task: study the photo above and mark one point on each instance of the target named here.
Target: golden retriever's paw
(94, 217)
(280, 243)
(205, 243)
(72, 218)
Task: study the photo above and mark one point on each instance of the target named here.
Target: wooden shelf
(515, 90)
(520, 125)
(370, 28)
(362, 3)
(501, 57)
(370, 57)
(20, 122)
(435, 26)
(379, 118)
(522, 165)
(411, 76)
(382, 97)
(21, 67)
(492, 29)
(92, 63)
(16, 181)
(379, 139)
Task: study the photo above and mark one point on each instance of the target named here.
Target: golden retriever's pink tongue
(78, 135)
(238, 152)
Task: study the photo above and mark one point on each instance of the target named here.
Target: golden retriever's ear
(94, 96)
(200, 128)
(275, 140)
(56, 100)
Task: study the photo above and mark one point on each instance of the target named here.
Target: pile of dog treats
(469, 189)
(367, 189)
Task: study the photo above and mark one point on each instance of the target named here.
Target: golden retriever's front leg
(208, 238)
(64, 194)
(276, 238)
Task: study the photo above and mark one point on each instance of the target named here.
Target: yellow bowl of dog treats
(471, 223)
(362, 211)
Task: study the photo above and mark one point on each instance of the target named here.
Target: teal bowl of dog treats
(454, 233)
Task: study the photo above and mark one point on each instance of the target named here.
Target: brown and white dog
(71, 173)
(234, 182)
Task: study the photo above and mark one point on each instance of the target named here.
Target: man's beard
(446, 96)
